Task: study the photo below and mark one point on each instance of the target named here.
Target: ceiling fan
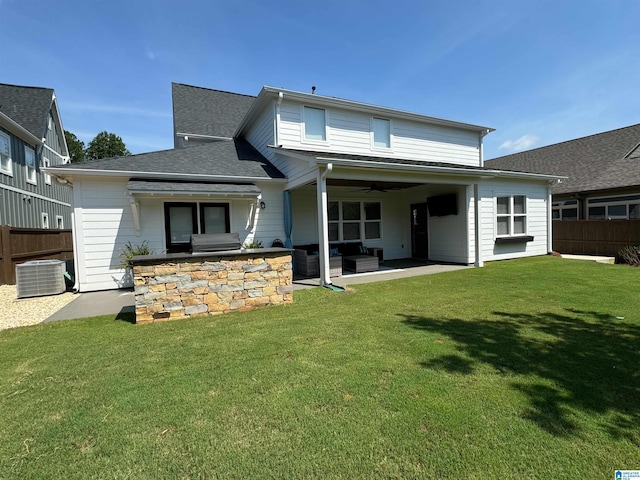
(375, 187)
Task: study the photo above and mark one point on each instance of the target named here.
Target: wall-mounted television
(443, 205)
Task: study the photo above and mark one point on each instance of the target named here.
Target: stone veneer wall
(191, 287)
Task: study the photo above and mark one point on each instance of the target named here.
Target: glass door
(180, 222)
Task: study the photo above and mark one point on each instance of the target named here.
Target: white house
(306, 168)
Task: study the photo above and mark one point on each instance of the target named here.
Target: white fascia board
(320, 100)
(19, 130)
(58, 119)
(71, 172)
(438, 170)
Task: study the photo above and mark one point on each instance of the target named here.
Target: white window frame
(31, 172)
(511, 215)
(46, 163)
(373, 140)
(611, 201)
(303, 130)
(9, 169)
(362, 221)
(44, 216)
(59, 222)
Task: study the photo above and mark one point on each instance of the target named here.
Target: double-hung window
(511, 215)
(6, 166)
(352, 221)
(47, 177)
(30, 164)
(315, 124)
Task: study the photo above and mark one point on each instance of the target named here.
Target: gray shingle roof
(27, 106)
(202, 111)
(191, 187)
(234, 158)
(596, 162)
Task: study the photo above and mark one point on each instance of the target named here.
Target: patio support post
(323, 230)
(477, 215)
(549, 220)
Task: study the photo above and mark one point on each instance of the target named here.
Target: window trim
(9, 170)
(361, 222)
(372, 135)
(611, 201)
(511, 215)
(34, 180)
(197, 222)
(44, 218)
(59, 222)
(303, 129)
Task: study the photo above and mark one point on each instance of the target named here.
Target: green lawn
(522, 369)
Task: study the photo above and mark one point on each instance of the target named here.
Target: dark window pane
(214, 219)
(350, 210)
(333, 232)
(334, 211)
(351, 231)
(519, 204)
(372, 211)
(634, 211)
(503, 225)
(617, 212)
(596, 213)
(503, 204)
(570, 214)
(372, 230)
(519, 225)
(555, 214)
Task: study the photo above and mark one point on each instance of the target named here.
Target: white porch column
(478, 229)
(323, 229)
(549, 220)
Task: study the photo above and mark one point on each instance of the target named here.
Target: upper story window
(30, 163)
(381, 132)
(511, 215)
(315, 124)
(6, 165)
(46, 163)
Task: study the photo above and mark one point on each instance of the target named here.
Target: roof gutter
(438, 170)
(63, 172)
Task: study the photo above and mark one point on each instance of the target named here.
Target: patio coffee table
(361, 263)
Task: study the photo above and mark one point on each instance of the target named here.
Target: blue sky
(539, 72)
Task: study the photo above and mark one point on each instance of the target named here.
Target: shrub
(129, 251)
(630, 255)
(252, 244)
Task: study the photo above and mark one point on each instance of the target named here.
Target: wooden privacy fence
(19, 245)
(595, 237)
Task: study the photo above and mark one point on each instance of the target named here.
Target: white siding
(350, 132)
(536, 193)
(261, 135)
(104, 224)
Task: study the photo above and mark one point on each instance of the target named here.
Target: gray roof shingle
(233, 158)
(202, 111)
(27, 106)
(596, 162)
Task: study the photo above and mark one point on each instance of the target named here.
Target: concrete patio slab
(93, 304)
(592, 258)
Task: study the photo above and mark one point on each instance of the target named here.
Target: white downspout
(323, 231)
(477, 215)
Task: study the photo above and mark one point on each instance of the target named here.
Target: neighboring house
(306, 169)
(603, 173)
(31, 138)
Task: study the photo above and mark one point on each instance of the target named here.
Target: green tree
(76, 147)
(106, 145)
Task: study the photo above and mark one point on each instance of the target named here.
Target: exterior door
(419, 232)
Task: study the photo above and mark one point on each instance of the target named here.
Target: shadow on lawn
(586, 361)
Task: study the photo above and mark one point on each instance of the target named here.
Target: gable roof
(27, 106)
(235, 158)
(203, 111)
(597, 162)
